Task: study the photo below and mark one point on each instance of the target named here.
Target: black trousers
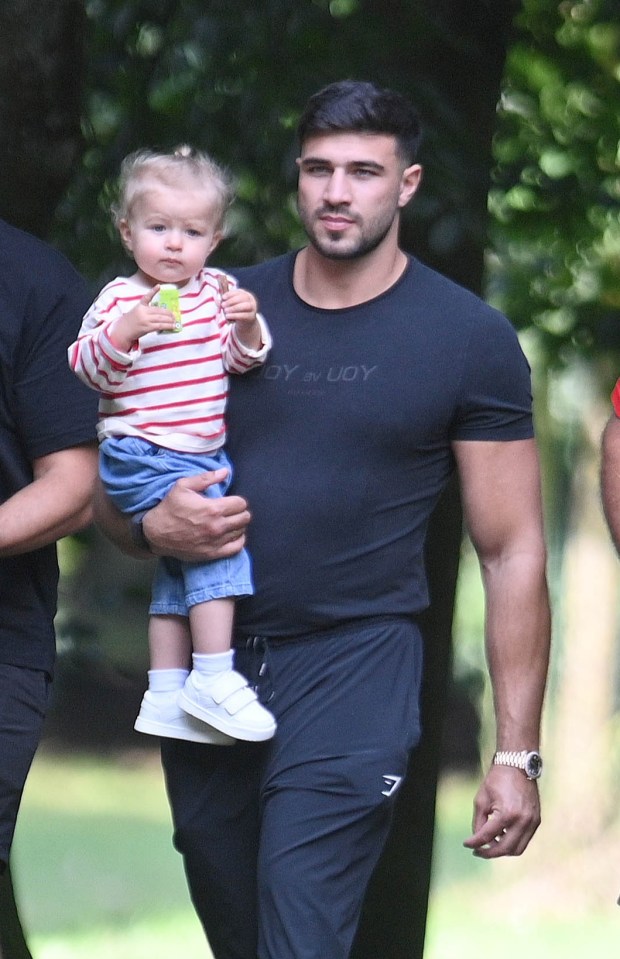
(24, 695)
(280, 839)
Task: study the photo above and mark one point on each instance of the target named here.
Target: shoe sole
(219, 722)
(153, 728)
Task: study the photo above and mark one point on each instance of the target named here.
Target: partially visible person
(48, 466)
(383, 379)
(610, 469)
(162, 375)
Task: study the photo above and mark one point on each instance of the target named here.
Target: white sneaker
(226, 702)
(161, 715)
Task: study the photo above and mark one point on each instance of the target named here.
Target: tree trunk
(41, 66)
(462, 62)
(453, 69)
(580, 783)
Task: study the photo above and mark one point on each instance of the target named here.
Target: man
(610, 469)
(383, 376)
(48, 465)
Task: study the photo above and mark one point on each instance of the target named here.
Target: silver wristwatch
(528, 760)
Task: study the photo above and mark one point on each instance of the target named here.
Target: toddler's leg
(160, 713)
(214, 691)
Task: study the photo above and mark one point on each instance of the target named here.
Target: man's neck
(337, 284)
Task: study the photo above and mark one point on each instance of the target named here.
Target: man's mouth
(335, 221)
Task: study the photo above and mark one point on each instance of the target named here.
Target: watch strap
(510, 758)
(526, 759)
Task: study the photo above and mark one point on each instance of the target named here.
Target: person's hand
(239, 306)
(506, 814)
(193, 527)
(143, 318)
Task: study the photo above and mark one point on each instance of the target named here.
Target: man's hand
(506, 814)
(193, 527)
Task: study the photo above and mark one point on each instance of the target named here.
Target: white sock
(167, 680)
(208, 664)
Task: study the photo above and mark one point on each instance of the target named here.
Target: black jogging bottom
(279, 839)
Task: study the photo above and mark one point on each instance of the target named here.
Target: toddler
(158, 347)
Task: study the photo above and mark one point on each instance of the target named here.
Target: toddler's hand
(239, 306)
(143, 318)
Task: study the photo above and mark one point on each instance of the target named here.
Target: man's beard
(330, 247)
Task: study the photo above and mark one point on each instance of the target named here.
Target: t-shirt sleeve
(615, 398)
(495, 396)
(53, 409)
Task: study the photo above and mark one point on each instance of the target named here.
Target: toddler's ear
(216, 240)
(125, 233)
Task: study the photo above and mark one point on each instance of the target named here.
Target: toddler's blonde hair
(183, 164)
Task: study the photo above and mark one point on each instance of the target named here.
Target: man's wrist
(138, 536)
(529, 760)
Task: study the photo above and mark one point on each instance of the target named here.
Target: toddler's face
(171, 231)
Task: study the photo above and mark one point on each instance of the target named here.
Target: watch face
(533, 765)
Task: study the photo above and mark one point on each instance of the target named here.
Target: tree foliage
(555, 262)
(231, 76)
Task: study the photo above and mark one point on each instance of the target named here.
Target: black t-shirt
(341, 442)
(43, 409)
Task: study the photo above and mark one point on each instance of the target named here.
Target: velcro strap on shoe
(236, 701)
(232, 692)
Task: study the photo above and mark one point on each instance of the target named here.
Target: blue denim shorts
(137, 475)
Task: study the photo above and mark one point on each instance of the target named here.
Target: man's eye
(317, 170)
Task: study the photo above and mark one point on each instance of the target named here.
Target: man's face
(351, 189)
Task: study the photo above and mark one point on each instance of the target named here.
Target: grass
(97, 876)
(94, 866)
(558, 904)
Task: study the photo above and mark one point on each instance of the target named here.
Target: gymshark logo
(392, 783)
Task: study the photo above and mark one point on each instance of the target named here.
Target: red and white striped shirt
(171, 389)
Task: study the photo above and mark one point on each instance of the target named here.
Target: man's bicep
(500, 488)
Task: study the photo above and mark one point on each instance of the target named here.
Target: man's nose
(337, 188)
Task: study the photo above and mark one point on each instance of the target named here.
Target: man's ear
(410, 181)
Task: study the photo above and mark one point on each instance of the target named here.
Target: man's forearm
(114, 524)
(518, 640)
(57, 502)
(610, 477)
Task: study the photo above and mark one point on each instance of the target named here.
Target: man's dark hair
(360, 107)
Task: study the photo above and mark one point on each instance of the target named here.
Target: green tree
(556, 196)
(231, 77)
(554, 267)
